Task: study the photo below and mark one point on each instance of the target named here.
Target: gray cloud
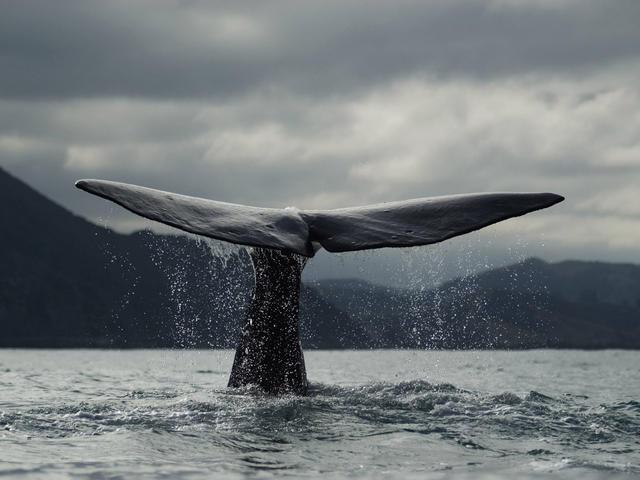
(184, 49)
(335, 104)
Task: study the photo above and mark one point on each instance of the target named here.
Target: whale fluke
(421, 221)
(409, 223)
(282, 229)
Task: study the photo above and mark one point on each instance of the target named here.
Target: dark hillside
(65, 282)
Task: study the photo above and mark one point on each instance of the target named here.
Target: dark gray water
(373, 414)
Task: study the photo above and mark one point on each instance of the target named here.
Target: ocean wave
(190, 426)
(443, 406)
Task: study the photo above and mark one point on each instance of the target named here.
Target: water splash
(207, 281)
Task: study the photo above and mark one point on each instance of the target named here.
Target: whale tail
(407, 223)
(269, 354)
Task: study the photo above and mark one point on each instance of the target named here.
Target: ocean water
(371, 414)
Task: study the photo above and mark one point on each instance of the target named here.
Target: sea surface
(99, 414)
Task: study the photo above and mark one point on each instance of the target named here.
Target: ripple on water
(407, 426)
(341, 413)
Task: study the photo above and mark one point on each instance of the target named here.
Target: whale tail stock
(409, 223)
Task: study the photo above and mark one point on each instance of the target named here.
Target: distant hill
(532, 304)
(65, 282)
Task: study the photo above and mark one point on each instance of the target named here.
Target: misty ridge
(65, 282)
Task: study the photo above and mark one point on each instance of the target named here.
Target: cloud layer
(335, 103)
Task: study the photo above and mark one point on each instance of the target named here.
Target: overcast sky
(336, 103)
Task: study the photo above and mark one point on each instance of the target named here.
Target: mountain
(582, 304)
(531, 304)
(65, 282)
